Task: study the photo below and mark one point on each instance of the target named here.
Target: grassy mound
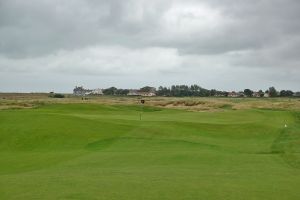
(90, 151)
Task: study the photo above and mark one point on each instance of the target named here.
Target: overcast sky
(53, 45)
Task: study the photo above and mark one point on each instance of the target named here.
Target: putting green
(86, 151)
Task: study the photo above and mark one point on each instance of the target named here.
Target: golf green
(89, 151)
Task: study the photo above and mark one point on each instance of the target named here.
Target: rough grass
(70, 150)
(201, 104)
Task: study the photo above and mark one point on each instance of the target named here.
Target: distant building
(133, 93)
(266, 95)
(236, 94)
(241, 94)
(139, 93)
(296, 94)
(97, 91)
(257, 94)
(219, 95)
(233, 94)
(152, 90)
(147, 94)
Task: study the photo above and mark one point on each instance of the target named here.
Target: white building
(133, 93)
(97, 91)
(147, 94)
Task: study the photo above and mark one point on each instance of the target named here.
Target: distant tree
(121, 92)
(272, 92)
(57, 95)
(194, 90)
(182, 90)
(286, 93)
(178, 90)
(147, 89)
(212, 92)
(248, 92)
(163, 91)
(289, 93)
(110, 91)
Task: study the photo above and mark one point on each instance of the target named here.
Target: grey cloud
(30, 28)
(34, 28)
(157, 37)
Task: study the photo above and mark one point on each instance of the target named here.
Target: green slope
(85, 151)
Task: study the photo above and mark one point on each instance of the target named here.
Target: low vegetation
(187, 103)
(56, 95)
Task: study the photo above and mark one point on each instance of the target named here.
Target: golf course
(146, 152)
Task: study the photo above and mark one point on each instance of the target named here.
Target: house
(139, 93)
(97, 91)
(133, 93)
(152, 90)
(233, 94)
(236, 94)
(219, 95)
(241, 94)
(257, 94)
(147, 94)
(296, 94)
(266, 95)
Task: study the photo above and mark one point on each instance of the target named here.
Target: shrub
(57, 96)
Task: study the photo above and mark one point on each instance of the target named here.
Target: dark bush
(57, 96)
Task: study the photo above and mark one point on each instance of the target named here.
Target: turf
(86, 151)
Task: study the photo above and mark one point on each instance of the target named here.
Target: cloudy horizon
(53, 45)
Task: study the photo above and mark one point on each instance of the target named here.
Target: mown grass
(92, 151)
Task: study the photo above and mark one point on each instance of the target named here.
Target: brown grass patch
(31, 100)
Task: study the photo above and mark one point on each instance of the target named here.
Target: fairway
(93, 151)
